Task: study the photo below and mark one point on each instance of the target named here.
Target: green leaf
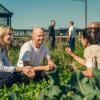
(14, 88)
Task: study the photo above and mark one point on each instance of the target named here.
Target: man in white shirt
(34, 51)
(71, 35)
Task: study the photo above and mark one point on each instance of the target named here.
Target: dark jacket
(51, 31)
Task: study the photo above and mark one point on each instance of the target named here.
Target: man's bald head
(38, 36)
(37, 30)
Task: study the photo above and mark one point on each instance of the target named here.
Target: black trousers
(11, 79)
(52, 43)
(19, 78)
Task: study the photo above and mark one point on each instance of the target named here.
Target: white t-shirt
(30, 53)
(89, 53)
(72, 31)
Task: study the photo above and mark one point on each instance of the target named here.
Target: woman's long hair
(4, 29)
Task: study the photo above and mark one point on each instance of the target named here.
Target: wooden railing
(18, 41)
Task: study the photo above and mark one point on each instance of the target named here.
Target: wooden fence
(18, 41)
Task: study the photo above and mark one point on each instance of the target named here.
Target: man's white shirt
(32, 54)
(72, 31)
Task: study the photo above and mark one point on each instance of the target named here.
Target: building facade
(5, 16)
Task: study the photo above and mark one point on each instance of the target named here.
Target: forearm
(88, 72)
(19, 69)
(68, 38)
(40, 68)
(49, 60)
(7, 68)
(78, 59)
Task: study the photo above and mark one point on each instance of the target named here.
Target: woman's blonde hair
(4, 29)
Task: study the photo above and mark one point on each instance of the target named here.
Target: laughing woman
(8, 73)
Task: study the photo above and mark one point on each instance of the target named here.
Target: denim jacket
(5, 65)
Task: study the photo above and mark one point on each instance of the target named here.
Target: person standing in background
(51, 31)
(71, 35)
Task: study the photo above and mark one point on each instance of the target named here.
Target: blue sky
(30, 13)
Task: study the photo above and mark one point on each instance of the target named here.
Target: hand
(46, 68)
(69, 51)
(51, 65)
(32, 72)
(68, 39)
(28, 71)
